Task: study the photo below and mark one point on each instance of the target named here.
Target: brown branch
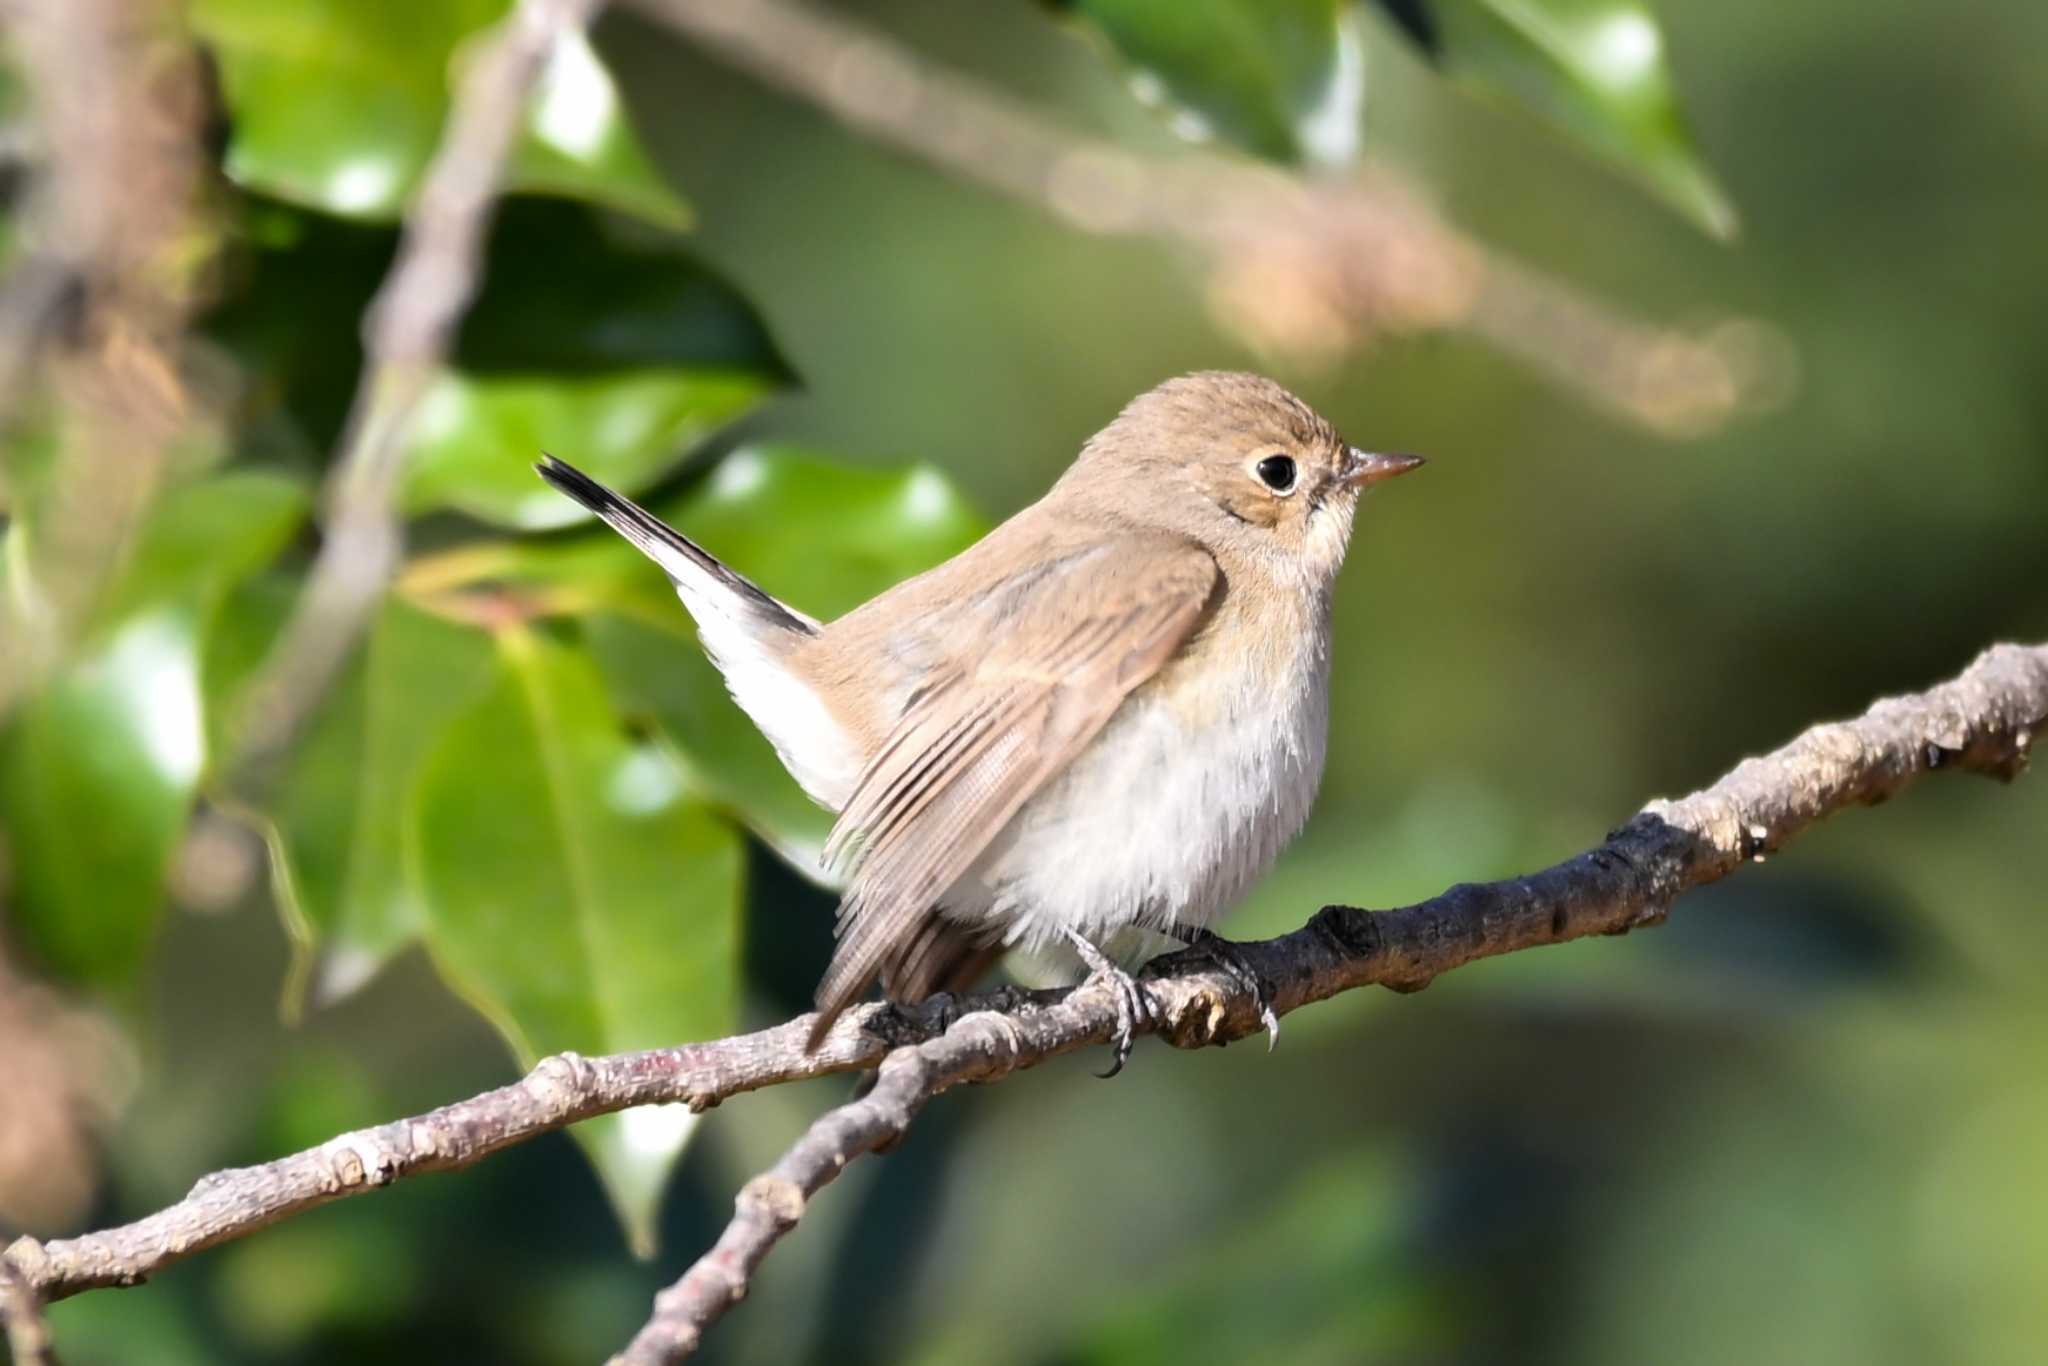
(1304, 268)
(21, 1314)
(406, 335)
(1983, 721)
(981, 1045)
(559, 1091)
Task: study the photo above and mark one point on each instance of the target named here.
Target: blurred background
(1691, 488)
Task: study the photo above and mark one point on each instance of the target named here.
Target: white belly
(1165, 820)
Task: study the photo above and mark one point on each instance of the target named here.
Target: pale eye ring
(1278, 473)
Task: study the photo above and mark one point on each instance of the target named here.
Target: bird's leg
(1230, 958)
(1132, 1005)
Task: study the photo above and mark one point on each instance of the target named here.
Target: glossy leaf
(1594, 69)
(475, 439)
(244, 630)
(627, 361)
(336, 857)
(635, 298)
(579, 143)
(578, 891)
(822, 536)
(662, 676)
(338, 106)
(100, 765)
(206, 537)
(1283, 78)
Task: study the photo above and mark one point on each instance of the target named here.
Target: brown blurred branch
(406, 335)
(1983, 721)
(1306, 268)
(72, 1063)
(113, 245)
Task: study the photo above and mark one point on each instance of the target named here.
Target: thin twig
(1983, 721)
(981, 1045)
(21, 1314)
(1305, 268)
(406, 335)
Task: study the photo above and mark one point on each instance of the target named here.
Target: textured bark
(1984, 721)
(21, 1313)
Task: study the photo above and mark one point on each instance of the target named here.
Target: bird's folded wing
(1061, 648)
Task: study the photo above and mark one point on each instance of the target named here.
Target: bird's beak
(1362, 468)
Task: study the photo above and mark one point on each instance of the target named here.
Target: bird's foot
(1132, 1005)
(1230, 958)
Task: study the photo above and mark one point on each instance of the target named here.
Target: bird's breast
(1182, 801)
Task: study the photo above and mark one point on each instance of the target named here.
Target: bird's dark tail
(682, 559)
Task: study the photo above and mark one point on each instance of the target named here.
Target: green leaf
(96, 778)
(634, 298)
(578, 143)
(336, 856)
(823, 536)
(250, 617)
(1595, 70)
(820, 534)
(338, 106)
(1283, 78)
(662, 676)
(206, 537)
(100, 766)
(295, 285)
(578, 891)
(474, 440)
(621, 364)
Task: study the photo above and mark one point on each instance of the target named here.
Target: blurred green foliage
(1287, 78)
(1594, 69)
(1797, 1123)
(99, 769)
(1283, 79)
(337, 105)
(640, 353)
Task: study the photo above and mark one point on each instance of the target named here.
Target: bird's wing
(1059, 649)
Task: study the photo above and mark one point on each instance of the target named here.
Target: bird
(1108, 715)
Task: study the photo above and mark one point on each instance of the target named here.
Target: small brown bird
(1107, 715)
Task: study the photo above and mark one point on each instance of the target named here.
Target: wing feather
(1065, 647)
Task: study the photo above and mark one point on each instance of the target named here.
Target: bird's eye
(1277, 473)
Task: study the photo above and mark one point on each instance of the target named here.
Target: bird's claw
(1132, 1004)
(1229, 958)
